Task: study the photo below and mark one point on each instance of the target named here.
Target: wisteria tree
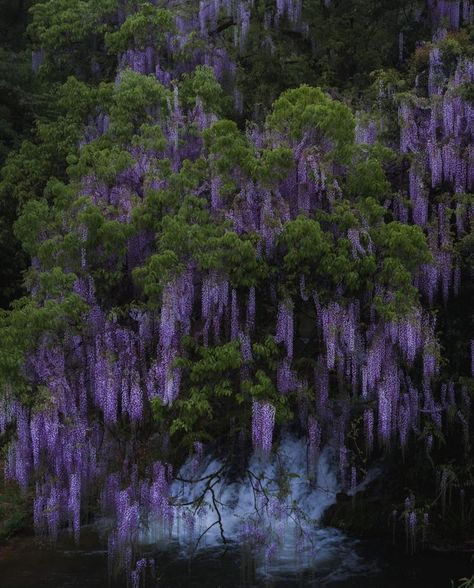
(203, 277)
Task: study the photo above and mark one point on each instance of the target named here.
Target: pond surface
(280, 558)
(31, 563)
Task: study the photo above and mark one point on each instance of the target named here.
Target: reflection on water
(273, 509)
(29, 563)
(274, 539)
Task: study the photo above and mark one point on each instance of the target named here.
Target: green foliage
(159, 267)
(367, 180)
(274, 165)
(103, 159)
(210, 373)
(327, 263)
(71, 35)
(357, 37)
(262, 385)
(31, 319)
(307, 248)
(307, 109)
(192, 234)
(102, 232)
(404, 249)
(202, 85)
(21, 101)
(27, 171)
(135, 102)
(354, 39)
(143, 28)
(34, 221)
(450, 52)
(42, 230)
(465, 582)
(150, 138)
(213, 363)
(234, 256)
(405, 243)
(466, 91)
(266, 352)
(312, 252)
(18, 102)
(231, 155)
(54, 283)
(59, 23)
(229, 151)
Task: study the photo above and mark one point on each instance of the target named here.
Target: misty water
(29, 563)
(273, 538)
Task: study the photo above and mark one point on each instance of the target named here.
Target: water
(28, 563)
(273, 511)
(269, 519)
